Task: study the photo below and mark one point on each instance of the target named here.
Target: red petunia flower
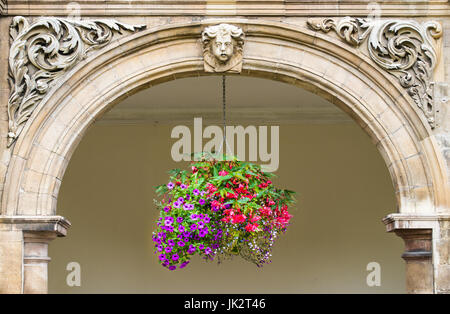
(236, 219)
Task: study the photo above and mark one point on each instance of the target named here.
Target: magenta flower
(162, 257)
(175, 257)
(201, 201)
(194, 216)
(168, 221)
(170, 185)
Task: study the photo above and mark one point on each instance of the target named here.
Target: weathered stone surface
(11, 250)
(278, 45)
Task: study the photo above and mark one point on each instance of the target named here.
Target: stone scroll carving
(222, 48)
(404, 48)
(3, 7)
(42, 52)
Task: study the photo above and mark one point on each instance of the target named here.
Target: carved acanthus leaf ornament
(42, 52)
(404, 48)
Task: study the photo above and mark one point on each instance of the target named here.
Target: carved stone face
(222, 47)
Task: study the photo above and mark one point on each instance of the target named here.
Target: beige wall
(344, 192)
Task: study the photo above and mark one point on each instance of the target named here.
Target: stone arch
(273, 50)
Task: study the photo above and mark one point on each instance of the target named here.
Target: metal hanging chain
(224, 145)
(224, 108)
(224, 142)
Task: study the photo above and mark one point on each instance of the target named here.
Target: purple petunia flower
(194, 216)
(170, 185)
(167, 209)
(168, 220)
(171, 242)
(188, 197)
(181, 228)
(200, 224)
(202, 193)
(183, 186)
(186, 207)
(183, 265)
(186, 234)
(159, 248)
(207, 219)
(193, 227)
(181, 243)
(175, 257)
(208, 250)
(196, 192)
(201, 201)
(162, 257)
(176, 204)
(173, 267)
(180, 220)
(201, 247)
(168, 249)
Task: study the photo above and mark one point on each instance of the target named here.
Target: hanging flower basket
(219, 209)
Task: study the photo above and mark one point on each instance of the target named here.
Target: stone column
(24, 251)
(418, 258)
(35, 261)
(418, 233)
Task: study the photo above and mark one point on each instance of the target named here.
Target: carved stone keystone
(222, 48)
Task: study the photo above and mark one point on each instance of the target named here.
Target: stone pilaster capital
(47, 226)
(396, 222)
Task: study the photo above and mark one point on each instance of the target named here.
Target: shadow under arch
(272, 50)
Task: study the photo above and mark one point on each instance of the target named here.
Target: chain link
(224, 143)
